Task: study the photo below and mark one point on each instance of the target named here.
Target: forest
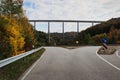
(16, 33)
(93, 35)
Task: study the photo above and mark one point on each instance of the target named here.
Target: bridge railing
(15, 58)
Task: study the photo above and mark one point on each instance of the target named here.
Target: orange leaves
(12, 31)
(14, 36)
(114, 35)
(21, 42)
(18, 34)
(13, 44)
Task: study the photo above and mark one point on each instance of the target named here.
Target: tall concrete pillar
(63, 29)
(49, 32)
(34, 27)
(92, 24)
(77, 27)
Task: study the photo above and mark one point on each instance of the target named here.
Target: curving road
(77, 64)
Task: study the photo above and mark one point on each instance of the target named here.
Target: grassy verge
(14, 70)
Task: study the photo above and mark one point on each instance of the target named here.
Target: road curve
(77, 64)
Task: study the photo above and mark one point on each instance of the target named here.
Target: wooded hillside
(109, 29)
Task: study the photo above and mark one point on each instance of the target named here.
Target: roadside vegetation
(16, 36)
(14, 70)
(16, 33)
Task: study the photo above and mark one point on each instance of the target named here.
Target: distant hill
(109, 29)
(91, 36)
(103, 27)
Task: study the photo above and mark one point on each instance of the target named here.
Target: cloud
(72, 10)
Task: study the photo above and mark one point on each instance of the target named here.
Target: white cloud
(72, 10)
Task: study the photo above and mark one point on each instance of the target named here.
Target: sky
(98, 10)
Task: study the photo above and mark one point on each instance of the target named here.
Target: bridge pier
(63, 29)
(92, 24)
(77, 27)
(34, 27)
(49, 32)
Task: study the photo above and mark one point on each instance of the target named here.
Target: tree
(97, 38)
(41, 38)
(16, 33)
(12, 36)
(11, 8)
(28, 32)
(113, 35)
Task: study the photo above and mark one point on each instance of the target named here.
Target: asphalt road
(77, 64)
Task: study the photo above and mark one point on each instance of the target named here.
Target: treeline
(68, 38)
(56, 39)
(93, 35)
(16, 33)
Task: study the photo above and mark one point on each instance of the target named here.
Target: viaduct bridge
(63, 21)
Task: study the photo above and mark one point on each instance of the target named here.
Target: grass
(14, 70)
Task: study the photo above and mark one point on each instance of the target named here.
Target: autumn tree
(28, 32)
(114, 35)
(12, 40)
(16, 33)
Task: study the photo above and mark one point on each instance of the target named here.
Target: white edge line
(117, 54)
(29, 70)
(107, 61)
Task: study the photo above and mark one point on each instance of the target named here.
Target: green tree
(97, 38)
(11, 8)
(41, 38)
(84, 38)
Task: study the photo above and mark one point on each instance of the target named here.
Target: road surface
(76, 64)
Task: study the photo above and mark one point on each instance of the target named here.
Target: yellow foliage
(12, 31)
(15, 38)
(22, 51)
(21, 42)
(13, 44)
(18, 34)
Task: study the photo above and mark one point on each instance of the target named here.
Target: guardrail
(15, 58)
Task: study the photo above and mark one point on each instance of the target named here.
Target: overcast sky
(70, 10)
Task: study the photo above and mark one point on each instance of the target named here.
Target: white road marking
(107, 61)
(31, 68)
(117, 54)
